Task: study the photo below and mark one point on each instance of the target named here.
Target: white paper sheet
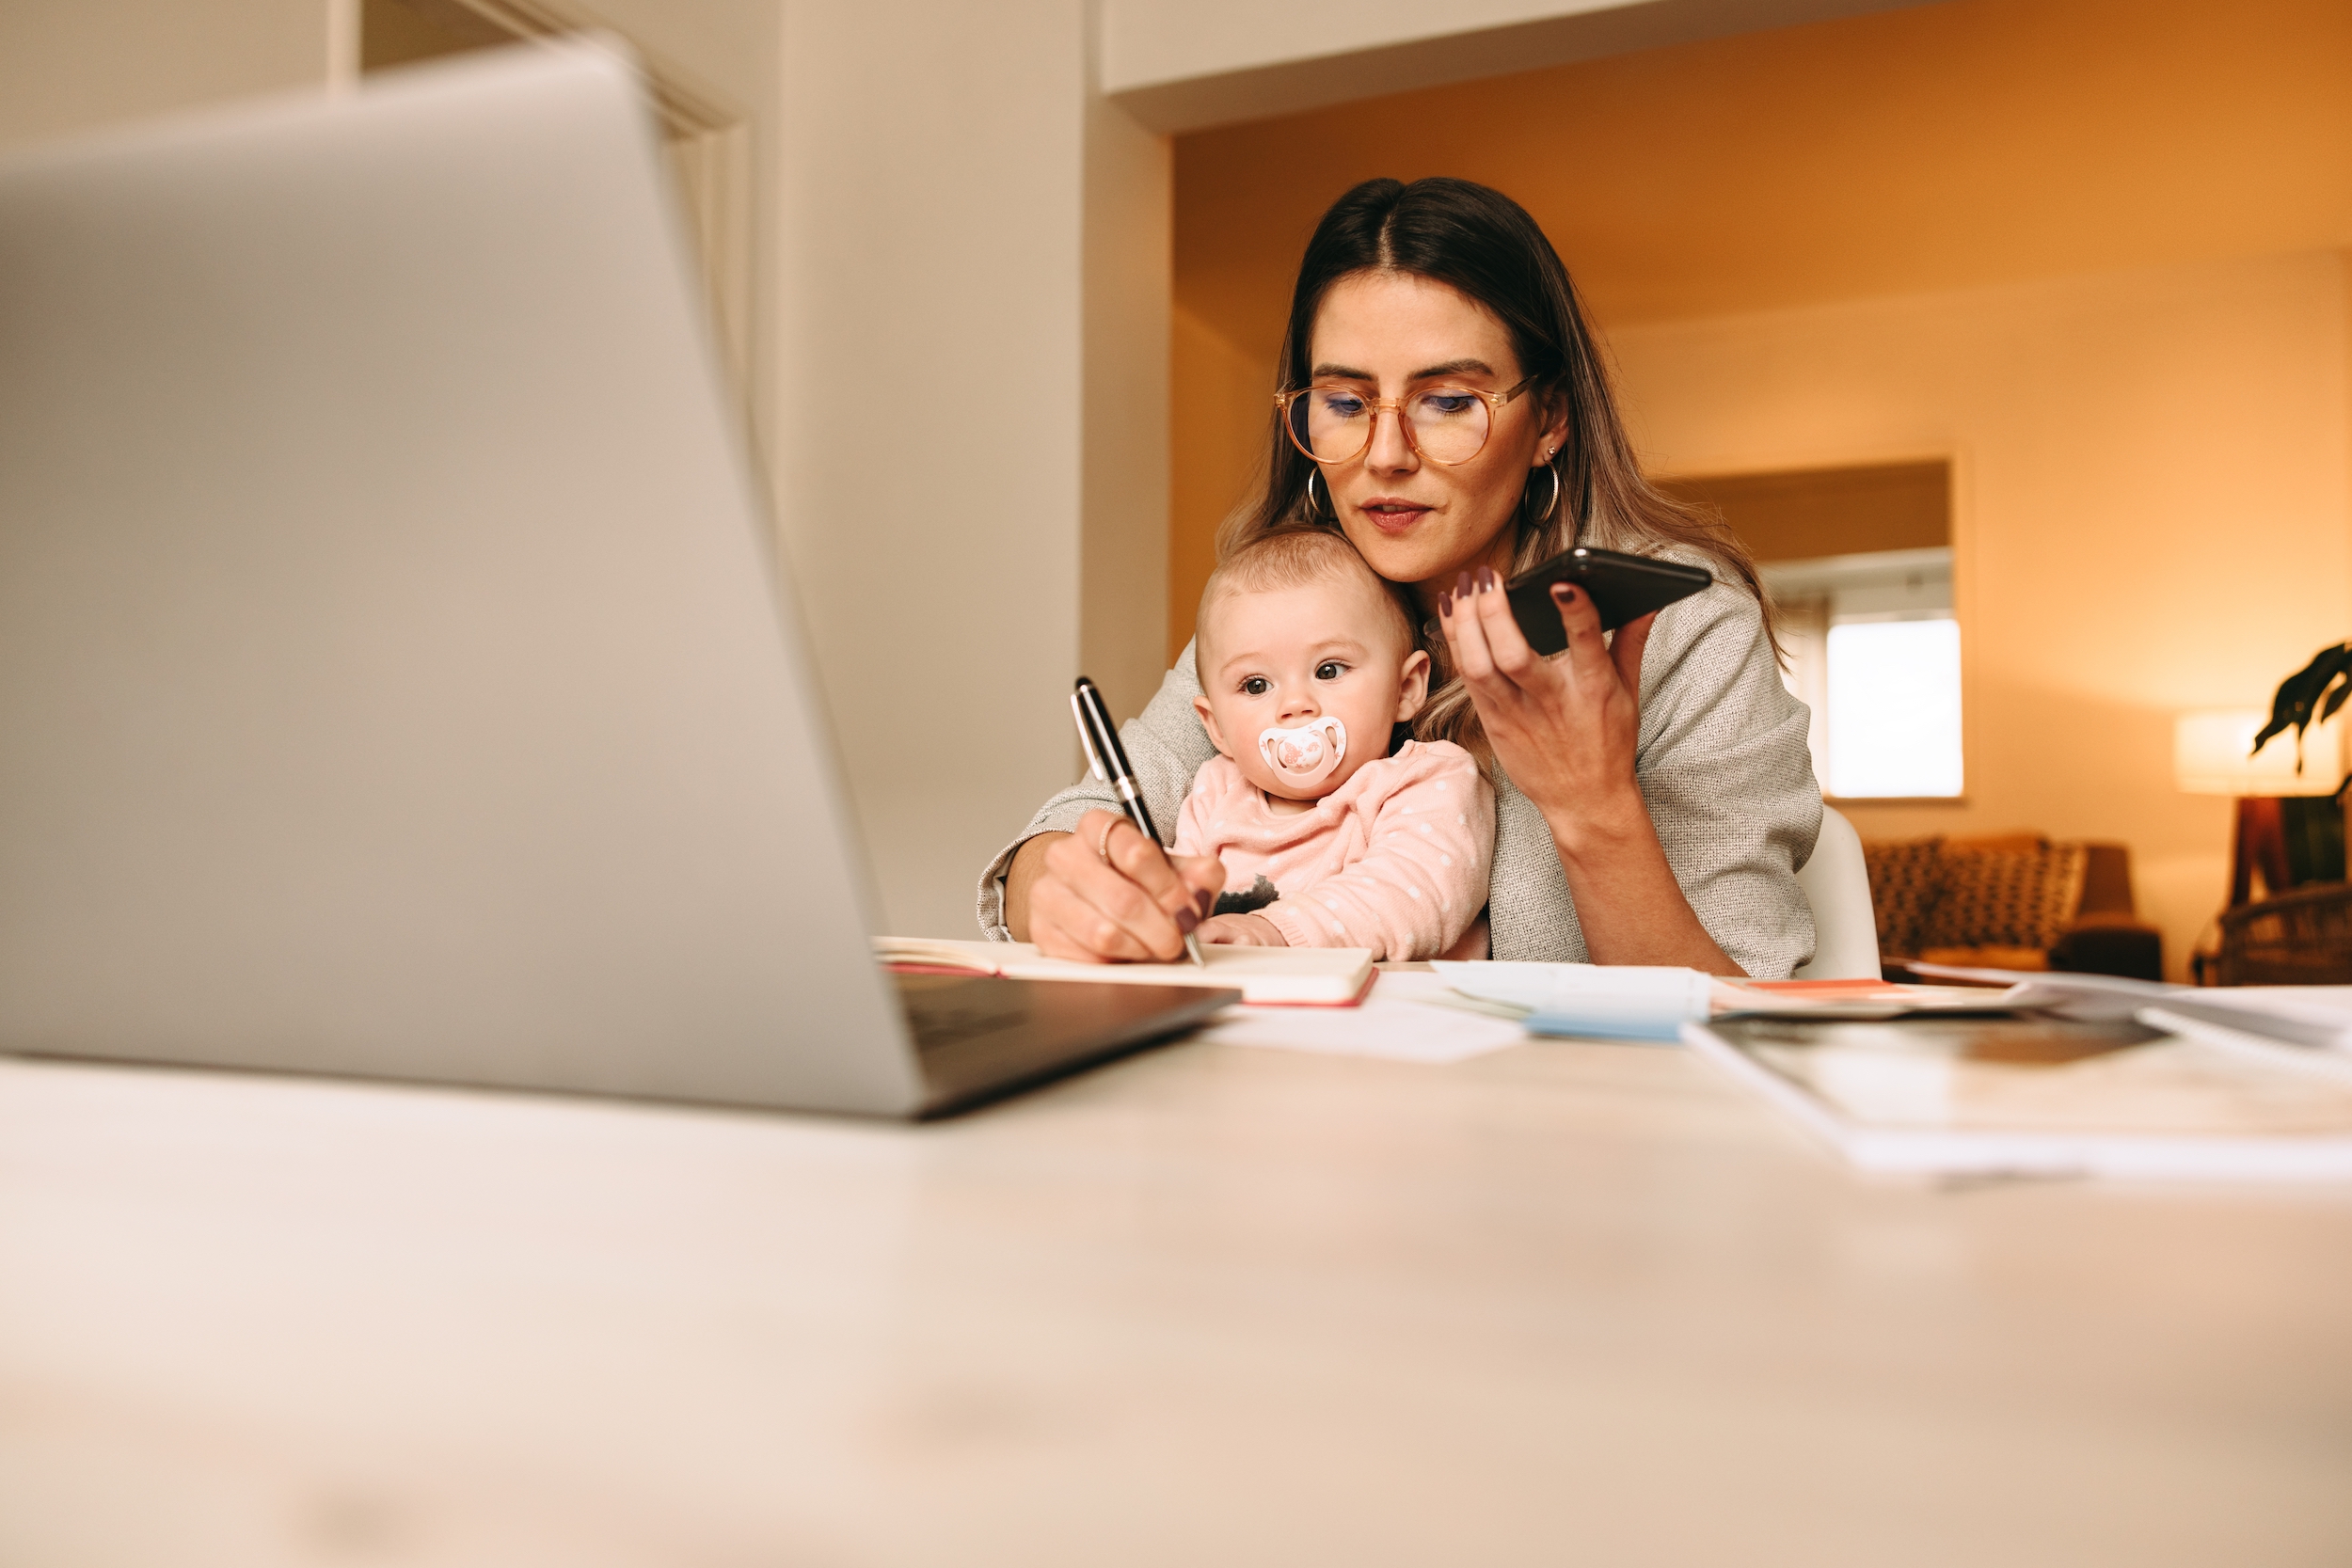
(1918, 1098)
(2313, 1016)
(1394, 1023)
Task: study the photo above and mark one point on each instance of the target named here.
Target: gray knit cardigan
(1721, 763)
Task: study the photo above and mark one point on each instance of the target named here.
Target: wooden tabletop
(1566, 1303)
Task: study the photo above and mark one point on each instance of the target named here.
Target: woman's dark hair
(1484, 244)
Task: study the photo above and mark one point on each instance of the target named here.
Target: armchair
(2304, 937)
(2017, 901)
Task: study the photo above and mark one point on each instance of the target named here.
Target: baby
(1306, 659)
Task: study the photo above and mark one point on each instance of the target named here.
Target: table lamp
(2213, 755)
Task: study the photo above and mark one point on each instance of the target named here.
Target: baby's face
(1292, 659)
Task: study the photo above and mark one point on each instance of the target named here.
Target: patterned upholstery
(2006, 899)
(2019, 895)
(1906, 878)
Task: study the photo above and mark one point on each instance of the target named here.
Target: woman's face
(1417, 521)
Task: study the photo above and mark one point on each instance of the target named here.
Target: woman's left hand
(1565, 728)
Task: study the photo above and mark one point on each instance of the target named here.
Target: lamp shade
(2209, 755)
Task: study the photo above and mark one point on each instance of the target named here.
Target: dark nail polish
(1187, 922)
(1486, 579)
(1445, 604)
(1462, 584)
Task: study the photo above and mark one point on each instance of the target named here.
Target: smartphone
(1623, 588)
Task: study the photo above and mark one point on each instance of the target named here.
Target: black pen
(1109, 761)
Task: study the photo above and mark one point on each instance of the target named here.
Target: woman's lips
(1392, 514)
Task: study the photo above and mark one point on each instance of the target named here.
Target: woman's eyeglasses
(1333, 424)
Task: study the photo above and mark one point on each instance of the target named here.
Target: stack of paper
(2313, 1017)
(2317, 1018)
(2043, 1096)
(1627, 1003)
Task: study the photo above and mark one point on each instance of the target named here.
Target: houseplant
(2310, 696)
(2314, 826)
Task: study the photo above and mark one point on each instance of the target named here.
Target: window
(1874, 651)
(1859, 565)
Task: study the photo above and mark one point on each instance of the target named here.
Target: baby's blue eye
(1330, 670)
(1255, 687)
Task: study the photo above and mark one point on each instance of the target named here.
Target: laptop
(395, 677)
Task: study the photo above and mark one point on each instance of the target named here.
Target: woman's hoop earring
(1326, 512)
(1552, 502)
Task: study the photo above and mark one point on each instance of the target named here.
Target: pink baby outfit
(1395, 859)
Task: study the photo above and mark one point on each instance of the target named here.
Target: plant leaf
(2299, 691)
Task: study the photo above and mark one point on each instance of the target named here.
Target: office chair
(1837, 884)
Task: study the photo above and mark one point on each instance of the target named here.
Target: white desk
(1211, 1305)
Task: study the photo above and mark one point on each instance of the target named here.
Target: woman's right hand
(1127, 903)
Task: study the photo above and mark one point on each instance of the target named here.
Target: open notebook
(2038, 1095)
(1294, 977)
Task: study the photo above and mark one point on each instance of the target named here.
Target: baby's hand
(1240, 930)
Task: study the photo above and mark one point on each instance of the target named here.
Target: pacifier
(1304, 756)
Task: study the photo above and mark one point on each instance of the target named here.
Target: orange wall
(1940, 147)
(2091, 250)
(2151, 513)
(1935, 147)
(1218, 413)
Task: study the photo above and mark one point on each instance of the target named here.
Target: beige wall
(934, 231)
(72, 65)
(2152, 514)
(1150, 41)
(1123, 566)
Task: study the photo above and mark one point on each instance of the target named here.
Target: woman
(1446, 409)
